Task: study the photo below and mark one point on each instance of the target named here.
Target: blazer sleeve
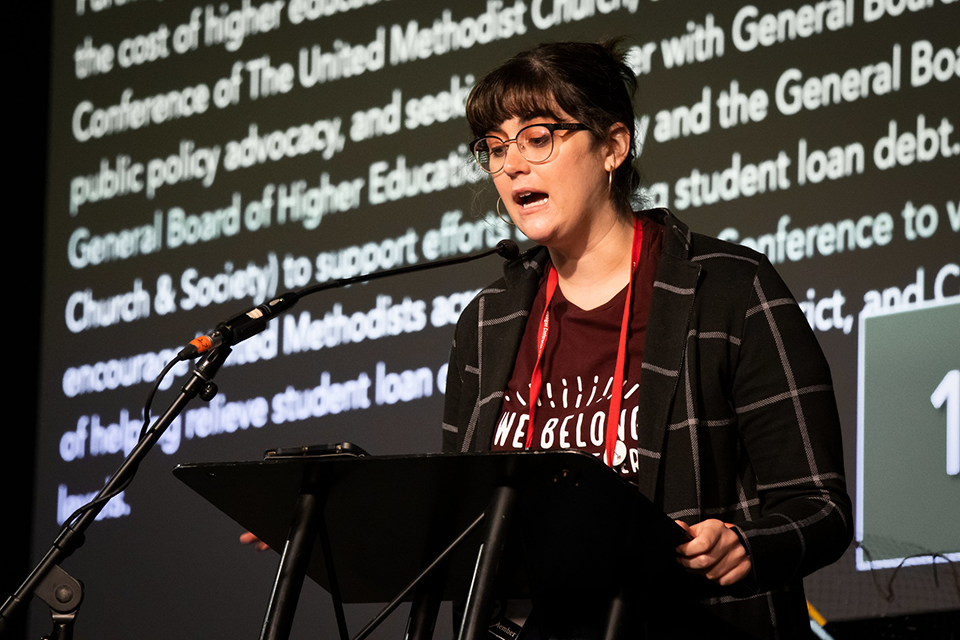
(790, 428)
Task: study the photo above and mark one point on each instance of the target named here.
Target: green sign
(908, 436)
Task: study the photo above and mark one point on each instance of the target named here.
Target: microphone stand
(55, 586)
(48, 581)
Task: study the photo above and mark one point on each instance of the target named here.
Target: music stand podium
(383, 521)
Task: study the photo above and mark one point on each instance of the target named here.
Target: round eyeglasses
(534, 141)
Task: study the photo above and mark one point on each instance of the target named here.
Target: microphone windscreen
(508, 249)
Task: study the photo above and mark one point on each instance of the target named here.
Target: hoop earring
(609, 181)
(500, 215)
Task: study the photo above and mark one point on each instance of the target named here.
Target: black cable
(132, 471)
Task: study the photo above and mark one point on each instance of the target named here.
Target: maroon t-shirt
(578, 367)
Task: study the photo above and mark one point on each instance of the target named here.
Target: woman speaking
(681, 361)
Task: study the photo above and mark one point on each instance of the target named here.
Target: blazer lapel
(671, 309)
(505, 313)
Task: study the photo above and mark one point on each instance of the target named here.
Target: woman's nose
(515, 163)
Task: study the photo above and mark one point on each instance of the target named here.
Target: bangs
(519, 89)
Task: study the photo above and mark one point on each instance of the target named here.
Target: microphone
(240, 327)
(508, 249)
(251, 322)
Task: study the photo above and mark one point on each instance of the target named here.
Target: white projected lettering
(130, 114)
(416, 112)
(953, 215)
(923, 144)
(550, 13)
(751, 30)
(190, 163)
(308, 10)
(439, 107)
(221, 25)
(304, 333)
(388, 184)
(186, 229)
(826, 313)
(377, 121)
(926, 64)
(316, 66)
(458, 236)
(91, 60)
(94, 438)
(266, 80)
(947, 395)
(124, 176)
(120, 372)
(261, 347)
(684, 121)
(96, 6)
(794, 93)
(701, 42)
(83, 311)
(640, 58)
(446, 310)
(297, 202)
(355, 260)
(144, 48)
(919, 222)
(946, 284)
(109, 182)
(498, 22)
(816, 165)
(254, 282)
(822, 239)
(220, 416)
(327, 398)
(85, 249)
(403, 386)
(738, 180)
(67, 503)
(873, 10)
(321, 136)
(735, 107)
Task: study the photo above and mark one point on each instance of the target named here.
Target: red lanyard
(616, 397)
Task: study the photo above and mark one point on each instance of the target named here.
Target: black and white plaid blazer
(737, 414)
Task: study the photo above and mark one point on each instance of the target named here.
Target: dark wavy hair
(591, 82)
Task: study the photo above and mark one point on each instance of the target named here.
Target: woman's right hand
(715, 552)
(249, 538)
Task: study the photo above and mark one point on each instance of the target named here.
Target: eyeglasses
(534, 141)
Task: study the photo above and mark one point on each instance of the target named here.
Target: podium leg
(293, 568)
(480, 599)
(423, 611)
(614, 626)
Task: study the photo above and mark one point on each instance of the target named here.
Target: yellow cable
(819, 619)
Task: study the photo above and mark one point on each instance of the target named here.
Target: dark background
(32, 42)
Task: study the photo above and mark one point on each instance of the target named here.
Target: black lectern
(553, 526)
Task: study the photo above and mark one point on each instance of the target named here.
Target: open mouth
(530, 198)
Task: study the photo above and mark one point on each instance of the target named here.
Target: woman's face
(564, 201)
